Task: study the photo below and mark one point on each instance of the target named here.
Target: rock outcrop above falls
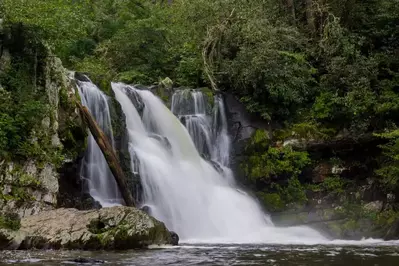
(30, 170)
(108, 228)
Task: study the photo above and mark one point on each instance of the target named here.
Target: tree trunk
(291, 9)
(310, 15)
(109, 154)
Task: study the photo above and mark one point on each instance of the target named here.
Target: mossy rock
(108, 228)
(209, 94)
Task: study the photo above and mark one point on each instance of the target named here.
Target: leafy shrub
(275, 163)
(389, 171)
(271, 201)
(10, 221)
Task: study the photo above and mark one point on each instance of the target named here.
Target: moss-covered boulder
(107, 228)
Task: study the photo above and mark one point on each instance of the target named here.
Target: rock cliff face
(34, 185)
(242, 126)
(31, 185)
(344, 198)
(27, 190)
(107, 228)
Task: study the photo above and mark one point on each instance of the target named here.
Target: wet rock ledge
(108, 228)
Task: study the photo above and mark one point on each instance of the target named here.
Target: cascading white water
(222, 140)
(209, 132)
(207, 127)
(95, 170)
(191, 108)
(184, 190)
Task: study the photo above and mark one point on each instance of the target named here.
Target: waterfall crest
(183, 189)
(101, 183)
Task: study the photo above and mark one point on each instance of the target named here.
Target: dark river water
(214, 255)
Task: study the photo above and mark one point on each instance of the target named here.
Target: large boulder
(107, 228)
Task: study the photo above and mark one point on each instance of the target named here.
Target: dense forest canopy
(319, 68)
(329, 61)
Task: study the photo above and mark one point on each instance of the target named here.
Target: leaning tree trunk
(109, 154)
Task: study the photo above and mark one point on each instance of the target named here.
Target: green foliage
(334, 184)
(274, 172)
(343, 74)
(97, 67)
(188, 71)
(294, 192)
(389, 171)
(260, 139)
(10, 221)
(260, 77)
(275, 163)
(25, 113)
(44, 17)
(209, 94)
(354, 84)
(331, 185)
(22, 179)
(21, 113)
(266, 162)
(271, 201)
(279, 197)
(306, 130)
(387, 217)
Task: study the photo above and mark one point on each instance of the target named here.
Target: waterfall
(222, 140)
(190, 107)
(183, 189)
(101, 183)
(206, 124)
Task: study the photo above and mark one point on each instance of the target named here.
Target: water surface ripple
(216, 255)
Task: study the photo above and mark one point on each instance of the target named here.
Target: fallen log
(109, 154)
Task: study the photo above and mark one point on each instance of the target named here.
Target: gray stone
(167, 83)
(374, 206)
(336, 169)
(5, 60)
(55, 141)
(10, 239)
(391, 198)
(49, 178)
(37, 197)
(46, 123)
(294, 143)
(175, 238)
(107, 228)
(30, 168)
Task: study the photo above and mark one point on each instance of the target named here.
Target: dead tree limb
(108, 153)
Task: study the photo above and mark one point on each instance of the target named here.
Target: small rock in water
(85, 260)
(175, 238)
(146, 209)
